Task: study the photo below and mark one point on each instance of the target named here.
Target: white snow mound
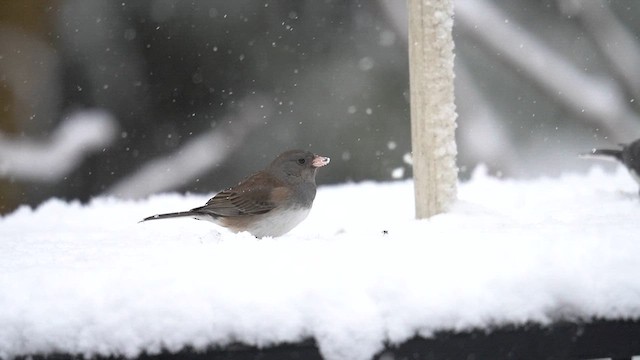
(359, 271)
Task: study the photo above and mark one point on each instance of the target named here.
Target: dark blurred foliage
(327, 75)
(169, 69)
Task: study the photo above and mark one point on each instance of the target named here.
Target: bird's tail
(191, 214)
(603, 153)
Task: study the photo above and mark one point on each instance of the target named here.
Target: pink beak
(320, 161)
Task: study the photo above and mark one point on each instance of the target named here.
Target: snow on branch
(476, 114)
(433, 111)
(596, 99)
(47, 161)
(194, 158)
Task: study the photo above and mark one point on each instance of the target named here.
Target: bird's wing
(256, 195)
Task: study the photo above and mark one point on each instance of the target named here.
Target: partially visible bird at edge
(627, 154)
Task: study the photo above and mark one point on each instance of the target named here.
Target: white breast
(278, 222)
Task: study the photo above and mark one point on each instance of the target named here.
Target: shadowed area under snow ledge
(358, 272)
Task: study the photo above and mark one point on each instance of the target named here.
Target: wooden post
(433, 111)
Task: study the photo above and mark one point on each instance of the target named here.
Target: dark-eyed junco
(270, 202)
(628, 155)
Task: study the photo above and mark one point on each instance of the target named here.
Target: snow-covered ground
(359, 271)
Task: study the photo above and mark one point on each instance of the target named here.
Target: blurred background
(130, 98)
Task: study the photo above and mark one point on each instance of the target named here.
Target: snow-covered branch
(433, 112)
(194, 158)
(75, 138)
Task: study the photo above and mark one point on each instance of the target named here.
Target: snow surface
(91, 280)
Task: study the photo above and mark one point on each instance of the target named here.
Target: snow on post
(433, 112)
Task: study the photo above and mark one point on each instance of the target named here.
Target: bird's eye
(301, 161)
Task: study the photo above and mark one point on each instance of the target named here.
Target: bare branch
(598, 100)
(480, 121)
(617, 44)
